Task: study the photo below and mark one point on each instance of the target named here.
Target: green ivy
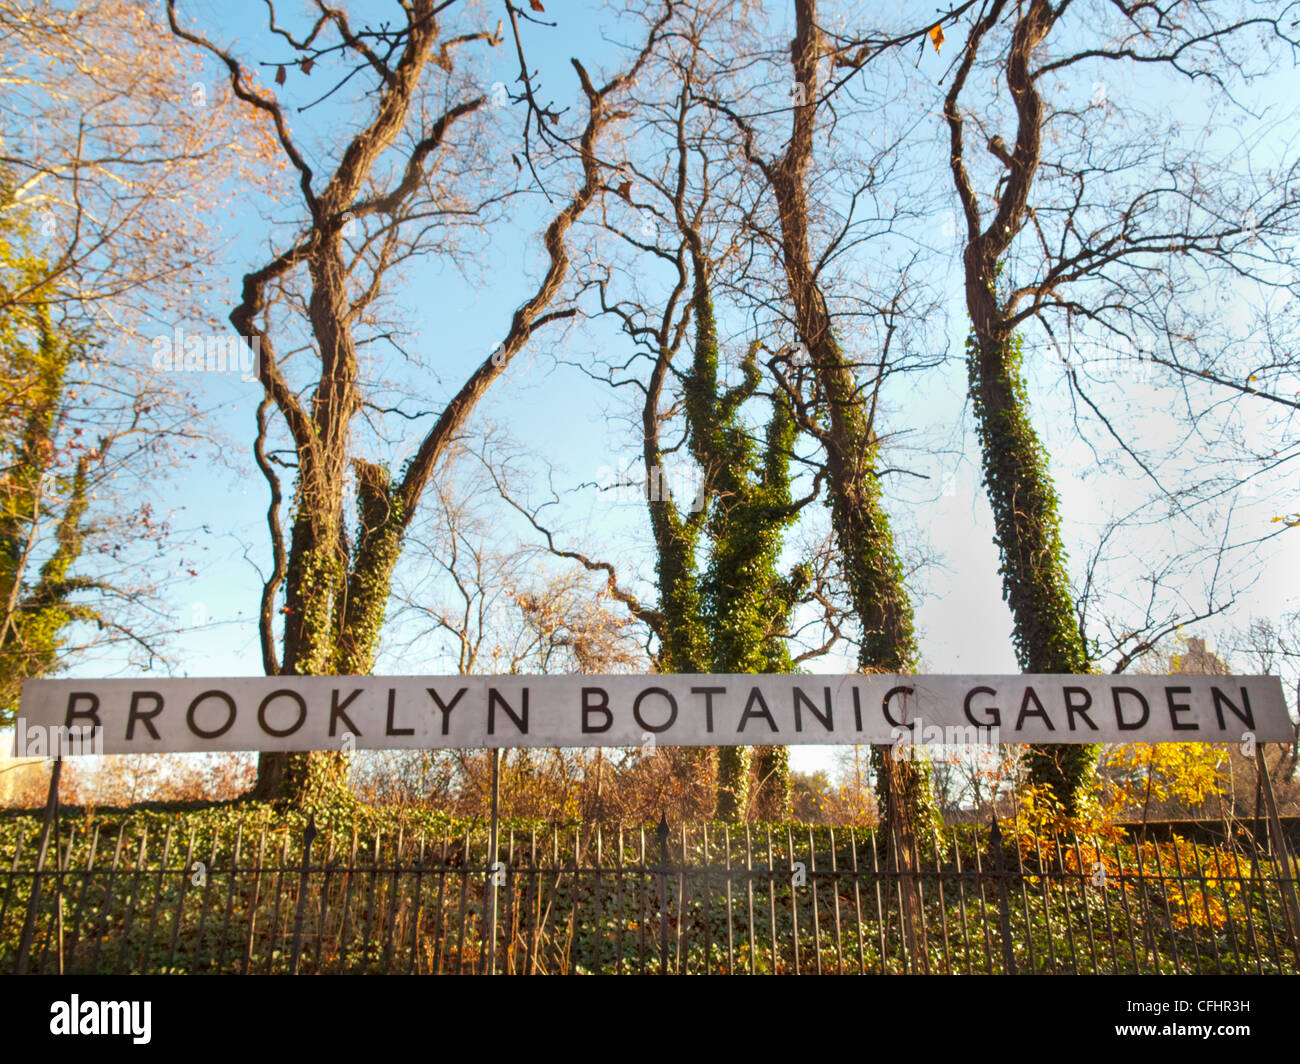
(35, 357)
(744, 600)
(873, 572)
(1027, 530)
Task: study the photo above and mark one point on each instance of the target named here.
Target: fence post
(308, 837)
(1281, 850)
(662, 832)
(58, 877)
(901, 838)
(490, 887)
(34, 899)
(1004, 908)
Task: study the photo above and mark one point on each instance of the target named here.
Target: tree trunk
(1026, 524)
(872, 568)
(772, 769)
(1026, 520)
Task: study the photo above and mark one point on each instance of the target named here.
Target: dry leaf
(279, 75)
(536, 5)
(625, 190)
(307, 64)
(936, 35)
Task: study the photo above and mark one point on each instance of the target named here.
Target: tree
(117, 150)
(336, 576)
(747, 601)
(110, 168)
(843, 422)
(722, 603)
(487, 605)
(37, 596)
(1082, 242)
(51, 472)
(1026, 516)
(1273, 648)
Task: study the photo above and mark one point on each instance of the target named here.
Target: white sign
(425, 712)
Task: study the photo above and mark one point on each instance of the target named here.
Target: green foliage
(342, 611)
(872, 567)
(40, 484)
(314, 581)
(1027, 530)
(685, 639)
(744, 600)
(1026, 509)
(316, 782)
(398, 890)
(874, 574)
(380, 528)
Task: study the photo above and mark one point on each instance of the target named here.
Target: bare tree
(1080, 244)
(841, 412)
(118, 148)
(729, 611)
(114, 155)
(336, 580)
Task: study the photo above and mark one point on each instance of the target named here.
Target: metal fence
(128, 897)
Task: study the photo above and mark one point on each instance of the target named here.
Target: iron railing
(127, 897)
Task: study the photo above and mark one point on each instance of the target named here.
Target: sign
(426, 712)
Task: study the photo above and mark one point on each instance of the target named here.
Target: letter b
(595, 700)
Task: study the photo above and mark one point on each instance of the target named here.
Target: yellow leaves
(1206, 905)
(1145, 774)
(165, 143)
(936, 36)
(1190, 877)
(1041, 817)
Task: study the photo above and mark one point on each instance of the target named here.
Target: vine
(1027, 531)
